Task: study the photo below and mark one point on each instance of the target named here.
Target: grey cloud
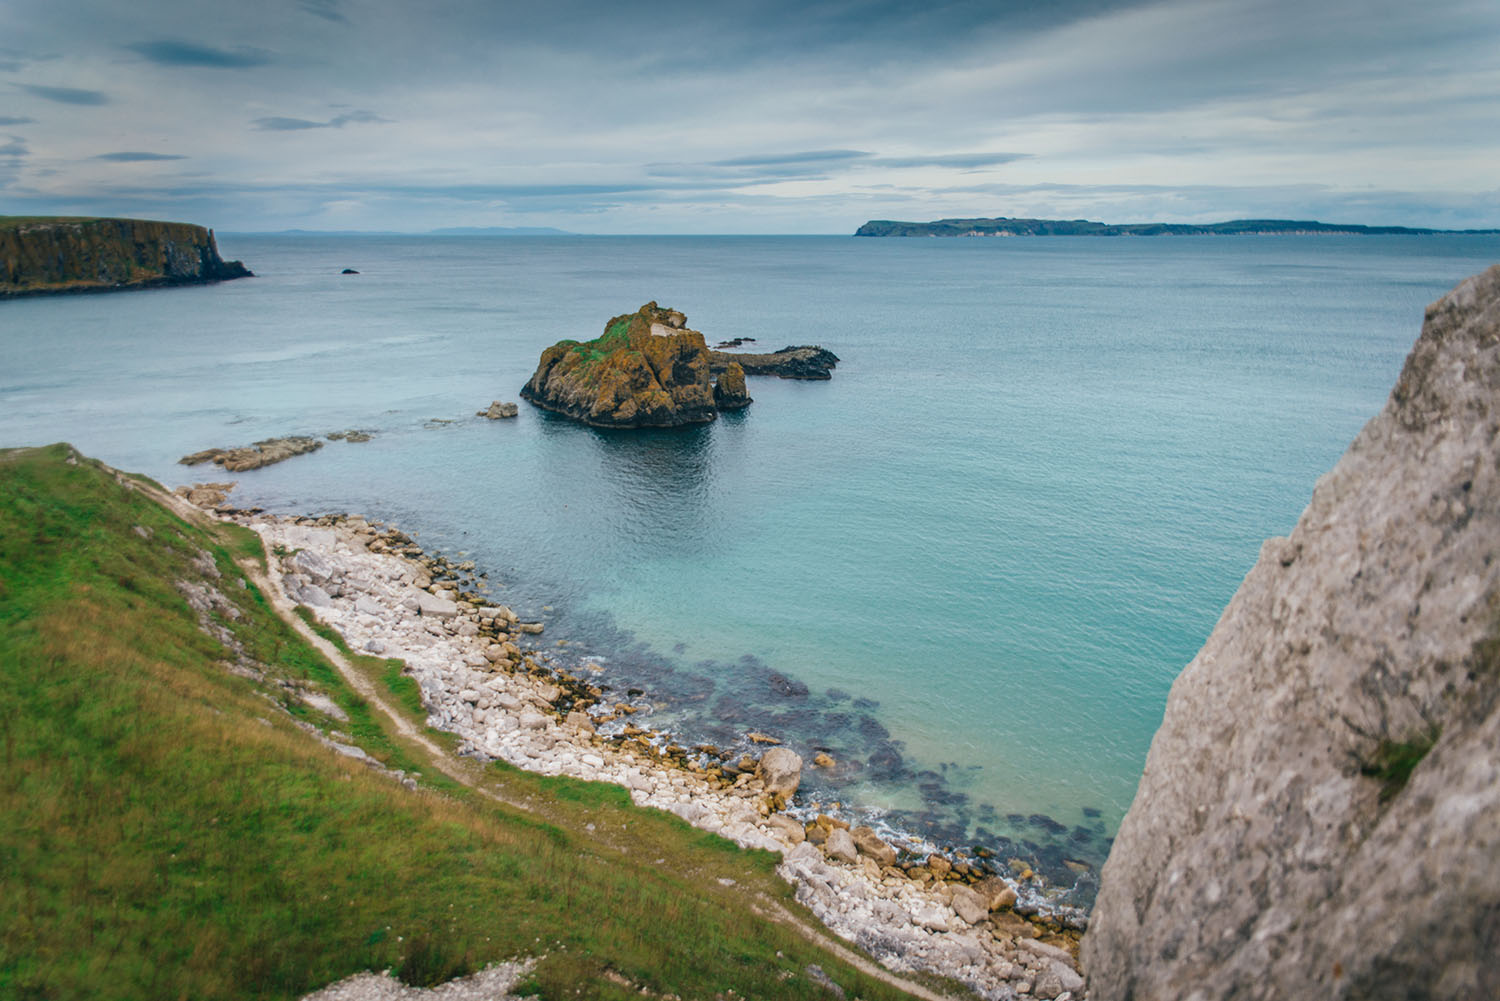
(818, 164)
(328, 10)
(16, 147)
(167, 52)
(777, 159)
(65, 95)
(15, 120)
(959, 160)
(132, 157)
(287, 124)
(277, 124)
(12, 60)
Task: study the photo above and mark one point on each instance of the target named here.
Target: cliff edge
(1320, 810)
(40, 256)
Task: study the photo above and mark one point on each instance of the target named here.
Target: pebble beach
(484, 676)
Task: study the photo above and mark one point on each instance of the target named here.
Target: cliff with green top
(646, 370)
(51, 255)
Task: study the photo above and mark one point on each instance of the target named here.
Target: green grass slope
(172, 827)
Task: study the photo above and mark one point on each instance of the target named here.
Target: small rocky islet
(649, 369)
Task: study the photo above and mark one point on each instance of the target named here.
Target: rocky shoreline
(482, 680)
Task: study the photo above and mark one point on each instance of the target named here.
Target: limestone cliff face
(77, 255)
(647, 370)
(1320, 810)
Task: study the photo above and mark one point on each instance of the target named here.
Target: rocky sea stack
(45, 255)
(646, 370)
(1320, 811)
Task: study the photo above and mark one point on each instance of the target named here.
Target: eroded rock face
(1320, 810)
(729, 390)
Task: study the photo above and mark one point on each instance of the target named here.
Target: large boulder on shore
(780, 769)
(1320, 810)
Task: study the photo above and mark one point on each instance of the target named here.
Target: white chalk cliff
(1320, 811)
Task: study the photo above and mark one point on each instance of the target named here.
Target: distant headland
(46, 255)
(1002, 226)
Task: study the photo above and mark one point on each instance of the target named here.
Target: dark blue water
(969, 566)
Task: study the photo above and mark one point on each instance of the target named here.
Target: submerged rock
(1320, 810)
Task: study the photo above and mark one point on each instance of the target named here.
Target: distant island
(500, 231)
(1002, 226)
(42, 255)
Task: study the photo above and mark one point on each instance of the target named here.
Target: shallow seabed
(968, 567)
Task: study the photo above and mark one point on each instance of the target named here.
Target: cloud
(16, 147)
(132, 157)
(779, 159)
(65, 95)
(819, 164)
(958, 160)
(166, 52)
(276, 124)
(328, 10)
(15, 120)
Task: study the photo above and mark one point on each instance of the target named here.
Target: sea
(967, 568)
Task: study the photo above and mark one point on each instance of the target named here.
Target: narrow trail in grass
(440, 759)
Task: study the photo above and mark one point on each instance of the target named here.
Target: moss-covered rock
(44, 255)
(646, 370)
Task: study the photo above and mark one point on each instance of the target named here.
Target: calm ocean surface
(969, 566)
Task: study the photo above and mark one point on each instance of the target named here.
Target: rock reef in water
(262, 453)
(42, 256)
(1320, 810)
(803, 361)
(647, 370)
(498, 411)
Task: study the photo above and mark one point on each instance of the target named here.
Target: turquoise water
(969, 566)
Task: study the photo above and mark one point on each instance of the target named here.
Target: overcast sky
(759, 116)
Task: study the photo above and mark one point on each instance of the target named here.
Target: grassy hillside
(173, 828)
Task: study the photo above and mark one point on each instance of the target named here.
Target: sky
(749, 116)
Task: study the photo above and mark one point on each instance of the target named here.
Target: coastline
(979, 927)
